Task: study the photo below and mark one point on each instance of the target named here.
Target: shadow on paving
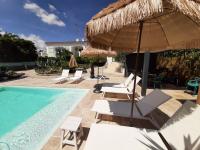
(8, 80)
(85, 135)
(182, 101)
(77, 82)
(159, 116)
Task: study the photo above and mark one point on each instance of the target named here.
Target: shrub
(48, 65)
(83, 60)
(63, 54)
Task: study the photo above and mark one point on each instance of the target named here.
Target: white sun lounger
(123, 109)
(124, 90)
(113, 137)
(77, 75)
(125, 83)
(64, 76)
(181, 132)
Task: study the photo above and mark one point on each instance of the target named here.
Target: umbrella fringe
(188, 7)
(92, 52)
(139, 10)
(129, 14)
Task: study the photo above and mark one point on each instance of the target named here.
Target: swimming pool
(28, 116)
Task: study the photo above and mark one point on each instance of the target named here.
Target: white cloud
(49, 18)
(2, 32)
(37, 40)
(52, 7)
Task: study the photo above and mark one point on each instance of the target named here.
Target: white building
(73, 46)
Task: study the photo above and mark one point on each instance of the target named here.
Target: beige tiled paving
(83, 108)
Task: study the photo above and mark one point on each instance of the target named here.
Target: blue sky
(48, 20)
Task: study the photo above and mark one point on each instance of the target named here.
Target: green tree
(15, 49)
(63, 55)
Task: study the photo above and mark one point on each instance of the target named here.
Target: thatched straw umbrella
(166, 24)
(93, 52)
(72, 62)
(146, 25)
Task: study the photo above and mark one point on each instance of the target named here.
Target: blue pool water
(29, 115)
(18, 104)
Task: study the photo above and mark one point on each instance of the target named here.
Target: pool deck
(83, 108)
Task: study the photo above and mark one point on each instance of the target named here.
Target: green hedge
(50, 65)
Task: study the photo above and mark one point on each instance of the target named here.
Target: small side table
(71, 131)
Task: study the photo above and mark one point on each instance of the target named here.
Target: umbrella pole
(136, 68)
(98, 71)
(97, 90)
(98, 75)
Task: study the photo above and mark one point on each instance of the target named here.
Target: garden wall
(180, 66)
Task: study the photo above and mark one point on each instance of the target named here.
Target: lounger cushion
(60, 78)
(77, 75)
(120, 85)
(152, 100)
(75, 78)
(65, 73)
(182, 131)
(113, 137)
(119, 108)
(115, 90)
(63, 77)
(130, 86)
(122, 109)
(122, 90)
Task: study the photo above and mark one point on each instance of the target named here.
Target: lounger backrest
(78, 73)
(130, 86)
(182, 130)
(128, 80)
(150, 102)
(65, 73)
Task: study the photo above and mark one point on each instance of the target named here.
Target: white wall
(51, 52)
(109, 60)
